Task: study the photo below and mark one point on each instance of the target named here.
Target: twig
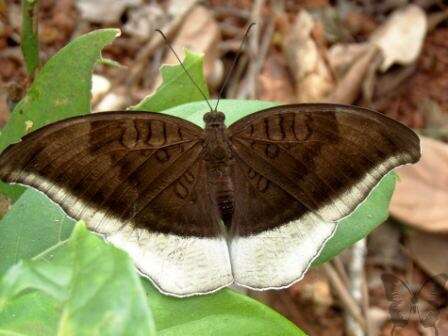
(232, 91)
(346, 299)
(229, 45)
(229, 29)
(249, 89)
(256, 66)
(366, 303)
(157, 41)
(339, 266)
(29, 36)
(259, 50)
(356, 276)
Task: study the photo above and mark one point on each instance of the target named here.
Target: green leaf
(29, 35)
(60, 90)
(176, 88)
(223, 313)
(31, 226)
(86, 287)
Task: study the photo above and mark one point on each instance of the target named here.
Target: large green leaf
(86, 287)
(176, 88)
(60, 90)
(223, 313)
(30, 227)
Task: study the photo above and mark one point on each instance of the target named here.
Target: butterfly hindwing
(138, 179)
(277, 255)
(301, 168)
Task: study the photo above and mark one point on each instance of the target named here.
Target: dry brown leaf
(376, 319)
(421, 195)
(401, 37)
(104, 11)
(350, 85)
(314, 291)
(143, 21)
(342, 56)
(274, 83)
(100, 86)
(309, 69)
(199, 33)
(429, 251)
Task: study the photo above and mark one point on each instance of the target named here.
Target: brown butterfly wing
(137, 178)
(299, 169)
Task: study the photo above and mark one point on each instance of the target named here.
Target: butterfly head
(214, 119)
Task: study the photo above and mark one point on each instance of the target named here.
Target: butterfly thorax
(218, 158)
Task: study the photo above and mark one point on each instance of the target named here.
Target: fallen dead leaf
(401, 37)
(348, 88)
(376, 318)
(144, 20)
(274, 83)
(199, 33)
(430, 251)
(384, 246)
(113, 101)
(342, 56)
(421, 195)
(104, 11)
(314, 291)
(100, 86)
(311, 74)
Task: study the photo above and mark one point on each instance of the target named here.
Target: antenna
(235, 60)
(183, 67)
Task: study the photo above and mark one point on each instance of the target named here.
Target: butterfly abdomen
(224, 197)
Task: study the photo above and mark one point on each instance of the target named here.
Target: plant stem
(356, 276)
(29, 36)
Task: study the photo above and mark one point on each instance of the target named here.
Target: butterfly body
(160, 187)
(219, 161)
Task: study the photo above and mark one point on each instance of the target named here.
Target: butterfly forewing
(137, 178)
(328, 157)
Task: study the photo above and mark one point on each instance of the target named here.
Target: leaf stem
(29, 36)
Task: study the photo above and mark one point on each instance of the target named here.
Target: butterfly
(198, 209)
(404, 301)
